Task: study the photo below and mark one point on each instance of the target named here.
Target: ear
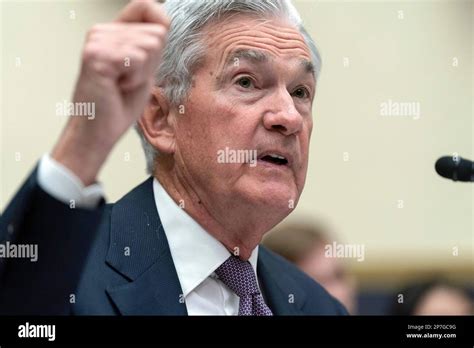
(157, 123)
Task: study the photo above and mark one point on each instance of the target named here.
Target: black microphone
(455, 168)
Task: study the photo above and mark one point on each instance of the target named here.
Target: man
(233, 75)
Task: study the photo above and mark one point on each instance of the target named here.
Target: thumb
(144, 11)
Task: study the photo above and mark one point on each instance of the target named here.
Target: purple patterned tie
(239, 276)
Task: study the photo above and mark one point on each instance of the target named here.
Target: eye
(301, 92)
(245, 82)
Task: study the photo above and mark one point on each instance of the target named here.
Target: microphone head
(455, 168)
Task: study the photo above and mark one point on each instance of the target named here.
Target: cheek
(304, 143)
(304, 150)
(309, 131)
(204, 128)
(310, 127)
(224, 123)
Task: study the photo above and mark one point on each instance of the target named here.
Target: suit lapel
(139, 251)
(281, 293)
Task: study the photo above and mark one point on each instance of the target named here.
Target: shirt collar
(196, 253)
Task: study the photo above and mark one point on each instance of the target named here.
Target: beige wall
(389, 159)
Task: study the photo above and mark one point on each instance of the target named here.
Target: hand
(118, 66)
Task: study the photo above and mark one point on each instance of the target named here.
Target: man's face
(254, 91)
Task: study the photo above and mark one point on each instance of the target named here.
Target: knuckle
(156, 30)
(153, 44)
(90, 53)
(117, 58)
(161, 31)
(140, 57)
(95, 32)
(99, 68)
(96, 28)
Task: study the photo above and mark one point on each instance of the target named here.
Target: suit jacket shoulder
(297, 293)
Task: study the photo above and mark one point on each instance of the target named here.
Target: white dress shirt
(196, 254)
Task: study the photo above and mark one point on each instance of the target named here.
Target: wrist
(84, 155)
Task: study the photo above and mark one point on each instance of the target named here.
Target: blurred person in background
(433, 297)
(303, 244)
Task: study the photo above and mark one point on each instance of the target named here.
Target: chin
(273, 195)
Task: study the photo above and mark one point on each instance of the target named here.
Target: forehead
(239, 32)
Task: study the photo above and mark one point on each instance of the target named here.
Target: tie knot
(239, 276)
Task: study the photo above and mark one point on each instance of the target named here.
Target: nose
(282, 115)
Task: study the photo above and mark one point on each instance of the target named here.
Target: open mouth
(275, 159)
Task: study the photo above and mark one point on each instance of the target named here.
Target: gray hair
(185, 48)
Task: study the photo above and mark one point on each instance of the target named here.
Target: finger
(117, 27)
(122, 41)
(128, 35)
(146, 11)
(138, 71)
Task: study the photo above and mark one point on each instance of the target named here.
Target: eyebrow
(259, 57)
(253, 56)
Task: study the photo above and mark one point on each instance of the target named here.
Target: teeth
(277, 156)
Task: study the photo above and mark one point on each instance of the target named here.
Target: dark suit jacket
(116, 260)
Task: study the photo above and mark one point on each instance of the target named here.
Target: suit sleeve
(62, 234)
